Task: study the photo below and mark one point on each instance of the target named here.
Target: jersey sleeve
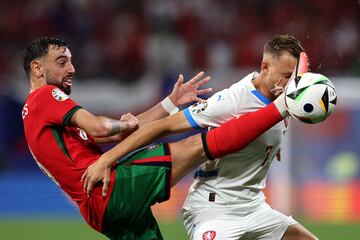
(56, 106)
(212, 112)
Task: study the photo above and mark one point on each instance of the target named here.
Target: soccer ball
(310, 98)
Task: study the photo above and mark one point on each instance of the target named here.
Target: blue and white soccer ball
(311, 98)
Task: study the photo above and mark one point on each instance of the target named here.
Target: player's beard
(66, 85)
(65, 89)
(276, 90)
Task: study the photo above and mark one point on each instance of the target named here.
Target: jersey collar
(256, 92)
(261, 97)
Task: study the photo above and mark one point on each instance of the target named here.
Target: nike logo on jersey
(220, 97)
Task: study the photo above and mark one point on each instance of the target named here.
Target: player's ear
(264, 65)
(37, 68)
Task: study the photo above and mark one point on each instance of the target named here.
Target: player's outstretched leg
(230, 137)
(238, 133)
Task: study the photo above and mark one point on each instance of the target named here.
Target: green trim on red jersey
(140, 181)
(68, 116)
(60, 141)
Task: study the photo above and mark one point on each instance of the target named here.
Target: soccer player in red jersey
(62, 137)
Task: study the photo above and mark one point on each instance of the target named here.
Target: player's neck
(260, 85)
(36, 84)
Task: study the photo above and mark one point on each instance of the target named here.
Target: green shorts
(142, 179)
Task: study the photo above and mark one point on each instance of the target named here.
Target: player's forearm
(148, 133)
(181, 94)
(112, 139)
(159, 111)
(155, 113)
(106, 127)
(100, 126)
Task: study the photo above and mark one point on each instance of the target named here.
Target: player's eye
(62, 63)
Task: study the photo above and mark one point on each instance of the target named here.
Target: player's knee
(306, 237)
(186, 155)
(298, 232)
(191, 148)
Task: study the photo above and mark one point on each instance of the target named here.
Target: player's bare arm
(182, 93)
(100, 170)
(119, 136)
(99, 126)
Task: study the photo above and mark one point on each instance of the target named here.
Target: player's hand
(133, 125)
(188, 92)
(99, 171)
(131, 120)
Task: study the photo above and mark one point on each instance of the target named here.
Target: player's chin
(67, 90)
(277, 93)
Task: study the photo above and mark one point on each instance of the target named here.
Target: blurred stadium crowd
(124, 39)
(125, 42)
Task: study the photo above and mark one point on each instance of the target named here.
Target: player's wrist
(108, 162)
(169, 105)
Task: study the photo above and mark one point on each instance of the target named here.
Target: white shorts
(233, 223)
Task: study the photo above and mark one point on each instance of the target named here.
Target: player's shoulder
(245, 82)
(44, 90)
(243, 86)
(235, 92)
(48, 88)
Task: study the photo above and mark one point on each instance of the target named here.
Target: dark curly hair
(39, 47)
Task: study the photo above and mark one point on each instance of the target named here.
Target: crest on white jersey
(209, 235)
(59, 95)
(199, 106)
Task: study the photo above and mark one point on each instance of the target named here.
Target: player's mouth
(67, 82)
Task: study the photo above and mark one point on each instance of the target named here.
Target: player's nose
(71, 68)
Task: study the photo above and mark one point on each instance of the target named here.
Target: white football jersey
(237, 178)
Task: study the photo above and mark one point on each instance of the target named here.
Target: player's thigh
(128, 214)
(213, 223)
(298, 232)
(141, 180)
(267, 223)
(186, 155)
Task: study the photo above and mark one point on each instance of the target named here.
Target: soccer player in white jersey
(226, 200)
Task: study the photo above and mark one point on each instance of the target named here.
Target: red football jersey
(63, 152)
